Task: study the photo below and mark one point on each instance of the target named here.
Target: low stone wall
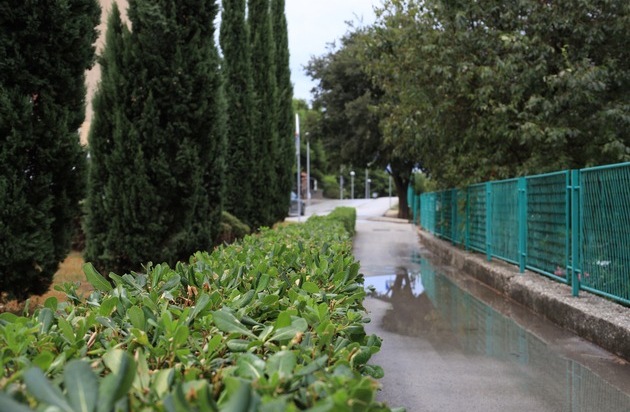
(596, 319)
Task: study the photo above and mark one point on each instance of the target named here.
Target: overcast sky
(315, 23)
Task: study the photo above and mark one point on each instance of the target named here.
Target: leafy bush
(347, 216)
(231, 229)
(274, 322)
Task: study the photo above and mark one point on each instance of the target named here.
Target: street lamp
(367, 189)
(352, 183)
(368, 186)
(308, 169)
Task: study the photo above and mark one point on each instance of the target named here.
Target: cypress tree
(45, 48)
(286, 147)
(162, 200)
(240, 176)
(265, 131)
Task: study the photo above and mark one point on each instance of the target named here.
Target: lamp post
(368, 188)
(297, 154)
(352, 183)
(308, 169)
(367, 184)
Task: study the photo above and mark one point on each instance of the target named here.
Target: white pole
(390, 191)
(308, 170)
(297, 153)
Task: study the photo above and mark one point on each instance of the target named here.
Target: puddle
(460, 317)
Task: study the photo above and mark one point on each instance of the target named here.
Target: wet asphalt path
(450, 343)
(424, 374)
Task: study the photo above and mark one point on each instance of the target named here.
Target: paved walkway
(423, 373)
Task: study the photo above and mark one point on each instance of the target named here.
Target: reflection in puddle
(432, 307)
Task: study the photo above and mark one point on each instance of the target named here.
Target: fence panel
(476, 217)
(427, 205)
(459, 230)
(570, 222)
(446, 214)
(548, 225)
(605, 231)
(504, 220)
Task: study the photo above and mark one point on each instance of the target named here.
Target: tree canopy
(488, 89)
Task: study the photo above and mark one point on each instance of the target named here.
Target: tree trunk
(401, 184)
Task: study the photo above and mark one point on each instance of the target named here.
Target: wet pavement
(450, 343)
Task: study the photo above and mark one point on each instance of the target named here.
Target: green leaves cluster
(488, 89)
(272, 323)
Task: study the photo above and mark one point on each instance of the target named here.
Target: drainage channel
(450, 343)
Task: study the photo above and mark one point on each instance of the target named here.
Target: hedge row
(272, 323)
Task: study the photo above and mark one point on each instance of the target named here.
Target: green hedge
(272, 323)
(347, 216)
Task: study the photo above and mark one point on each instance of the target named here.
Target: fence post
(522, 223)
(454, 216)
(489, 220)
(467, 232)
(575, 232)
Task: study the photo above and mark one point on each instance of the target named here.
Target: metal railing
(572, 226)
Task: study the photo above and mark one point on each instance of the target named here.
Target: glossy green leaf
(314, 366)
(45, 318)
(96, 279)
(116, 385)
(81, 386)
(226, 322)
(44, 391)
(298, 325)
(136, 317)
(310, 287)
(283, 363)
(161, 381)
(203, 301)
(66, 329)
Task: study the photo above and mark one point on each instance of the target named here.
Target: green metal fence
(572, 226)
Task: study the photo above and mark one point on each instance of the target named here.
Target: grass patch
(70, 270)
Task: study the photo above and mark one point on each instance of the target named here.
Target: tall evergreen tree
(240, 176)
(286, 146)
(162, 149)
(265, 132)
(45, 48)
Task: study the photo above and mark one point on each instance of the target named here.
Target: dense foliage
(488, 89)
(158, 142)
(45, 49)
(266, 120)
(272, 323)
(241, 177)
(285, 157)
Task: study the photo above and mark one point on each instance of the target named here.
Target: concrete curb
(596, 319)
